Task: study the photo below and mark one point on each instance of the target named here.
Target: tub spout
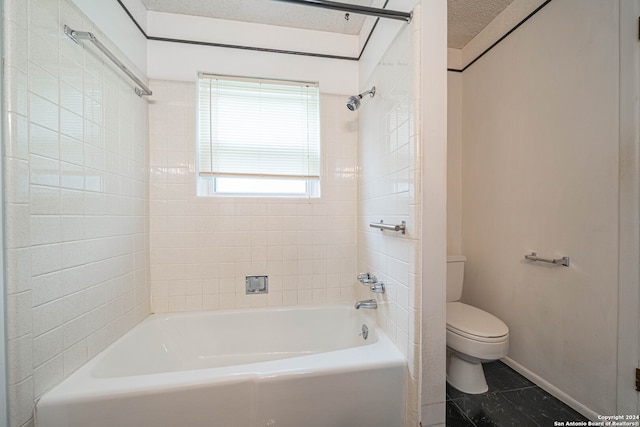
(368, 303)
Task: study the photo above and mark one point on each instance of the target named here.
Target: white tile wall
(75, 178)
(203, 247)
(77, 246)
(389, 190)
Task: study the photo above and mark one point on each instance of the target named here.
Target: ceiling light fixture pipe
(354, 8)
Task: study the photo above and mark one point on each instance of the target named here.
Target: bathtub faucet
(368, 303)
(370, 280)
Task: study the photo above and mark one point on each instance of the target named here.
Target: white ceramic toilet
(473, 335)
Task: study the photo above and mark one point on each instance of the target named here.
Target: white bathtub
(293, 367)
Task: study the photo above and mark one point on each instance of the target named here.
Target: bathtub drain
(365, 332)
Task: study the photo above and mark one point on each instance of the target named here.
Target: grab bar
(558, 261)
(382, 226)
(83, 35)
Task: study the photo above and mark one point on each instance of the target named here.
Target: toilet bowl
(473, 336)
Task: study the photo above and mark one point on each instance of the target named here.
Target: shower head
(353, 103)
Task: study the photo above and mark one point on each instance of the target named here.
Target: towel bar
(382, 226)
(558, 261)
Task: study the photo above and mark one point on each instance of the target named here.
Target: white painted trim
(4, 413)
(627, 399)
(197, 28)
(551, 389)
(431, 133)
(454, 59)
(3, 337)
(138, 11)
(182, 62)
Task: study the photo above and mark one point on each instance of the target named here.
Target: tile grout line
(464, 415)
(522, 412)
(517, 389)
(511, 396)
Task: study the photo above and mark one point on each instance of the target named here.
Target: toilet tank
(455, 277)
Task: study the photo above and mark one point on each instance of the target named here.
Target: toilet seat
(475, 324)
(476, 338)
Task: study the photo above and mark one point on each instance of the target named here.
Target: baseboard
(551, 389)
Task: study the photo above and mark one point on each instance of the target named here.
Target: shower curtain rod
(82, 35)
(354, 8)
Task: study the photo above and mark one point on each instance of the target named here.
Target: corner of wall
(454, 59)
(432, 116)
(628, 401)
(498, 27)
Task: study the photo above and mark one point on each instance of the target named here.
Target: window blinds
(258, 128)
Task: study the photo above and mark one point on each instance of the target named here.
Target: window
(258, 137)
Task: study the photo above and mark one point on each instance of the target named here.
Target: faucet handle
(378, 288)
(366, 278)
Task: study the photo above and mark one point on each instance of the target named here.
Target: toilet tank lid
(456, 258)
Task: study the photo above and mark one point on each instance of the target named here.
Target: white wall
(454, 162)
(182, 62)
(389, 190)
(384, 34)
(499, 26)
(79, 209)
(137, 10)
(216, 277)
(402, 161)
(4, 417)
(540, 171)
(432, 105)
(248, 34)
(75, 158)
(203, 247)
(114, 23)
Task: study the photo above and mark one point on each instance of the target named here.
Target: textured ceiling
(466, 17)
(266, 12)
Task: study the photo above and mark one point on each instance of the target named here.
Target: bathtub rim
(81, 385)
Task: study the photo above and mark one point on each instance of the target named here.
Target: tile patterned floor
(512, 400)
